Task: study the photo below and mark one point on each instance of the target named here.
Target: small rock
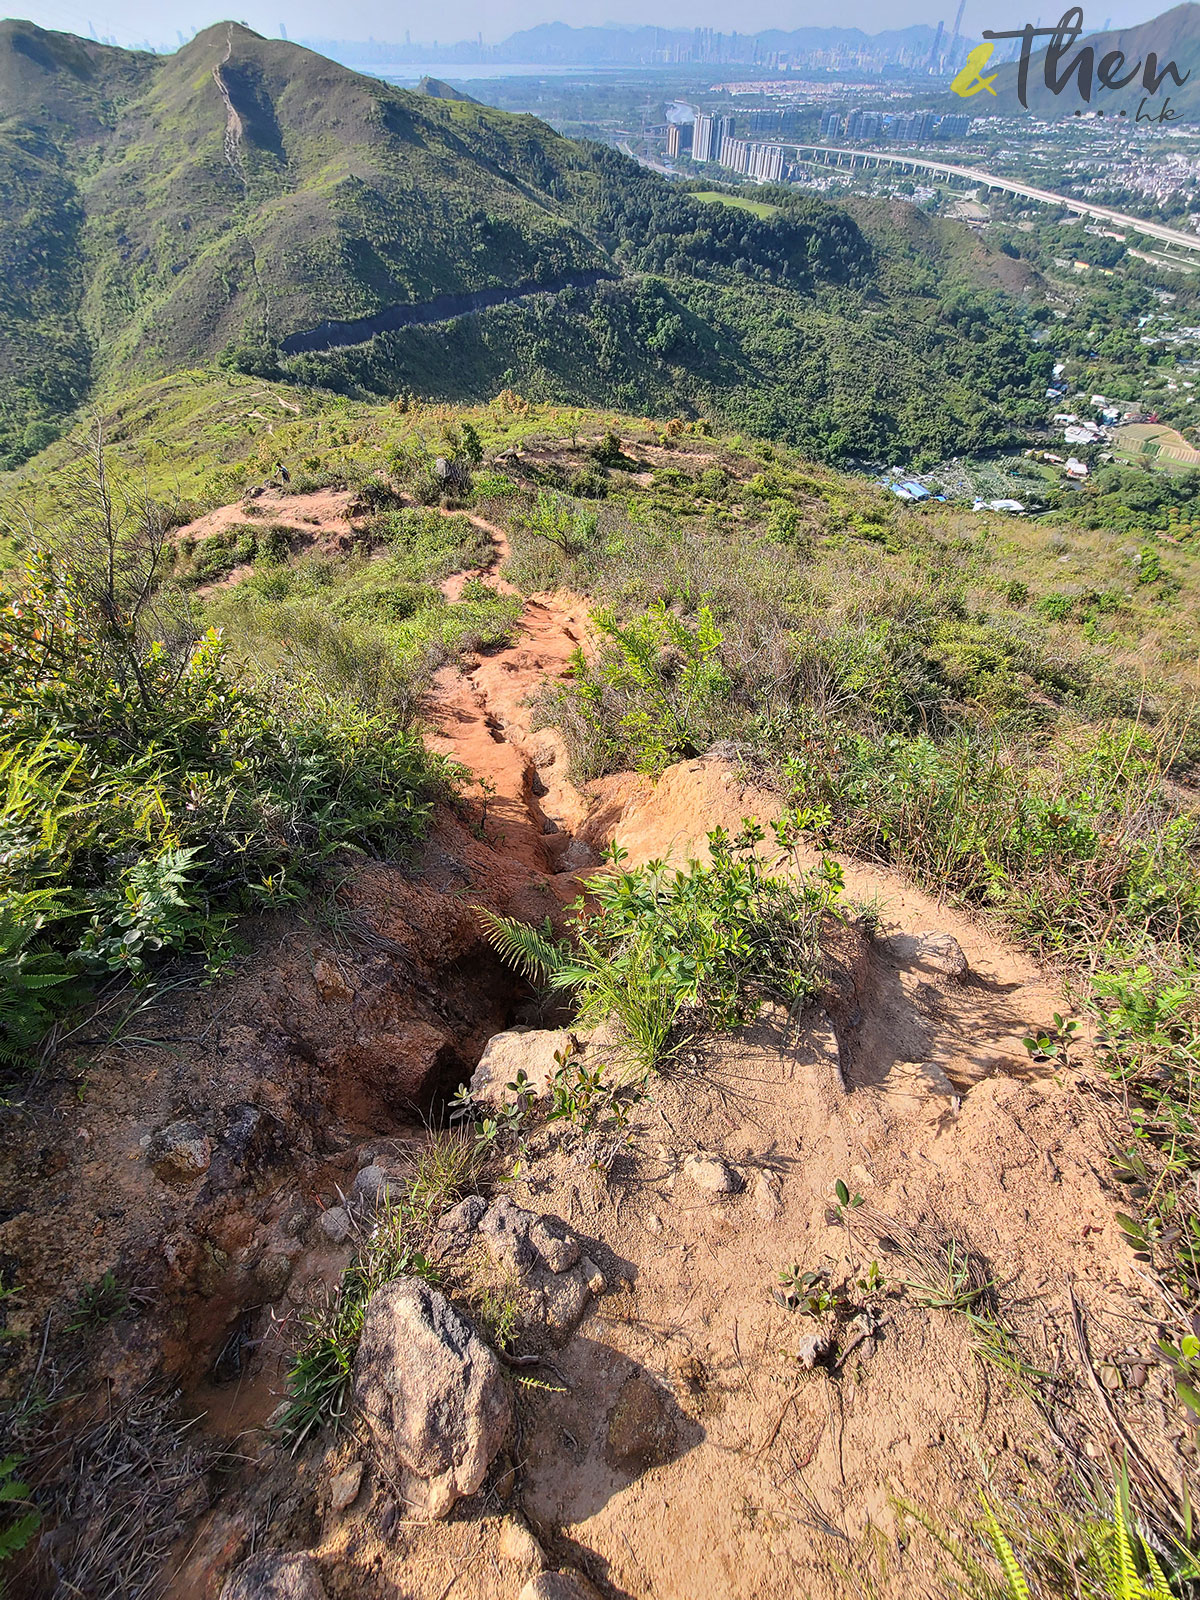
(455, 1232)
(1110, 1375)
(713, 1174)
(334, 1223)
(272, 1274)
(273, 1576)
(537, 787)
(555, 1243)
(518, 1545)
(464, 1217)
(564, 1299)
(504, 1229)
(641, 1430)
(811, 1351)
(561, 1585)
(1137, 1376)
(654, 1223)
(180, 1152)
(331, 985)
(343, 1489)
(937, 1080)
(295, 1219)
(596, 1281)
(943, 953)
(577, 857)
(371, 1187)
(432, 1393)
(766, 1195)
(549, 825)
(528, 1050)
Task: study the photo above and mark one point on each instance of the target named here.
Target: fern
(1159, 1589)
(25, 972)
(1128, 1583)
(1014, 1578)
(15, 1535)
(534, 952)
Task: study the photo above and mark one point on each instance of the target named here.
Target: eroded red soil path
(482, 715)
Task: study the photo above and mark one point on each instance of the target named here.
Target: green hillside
(246, 199)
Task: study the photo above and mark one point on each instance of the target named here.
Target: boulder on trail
(433, 1395)
(541, 1252)
(274, 1576)
(939, 953)
(943, 953)
(528, 1050)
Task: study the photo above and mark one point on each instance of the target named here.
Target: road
(1151, 230)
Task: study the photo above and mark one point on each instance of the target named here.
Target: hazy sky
(130, 21)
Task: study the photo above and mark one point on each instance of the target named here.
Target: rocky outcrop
(433, 1395)
(540, 1253)
(272, 1576)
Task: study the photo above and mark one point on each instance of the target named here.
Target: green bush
(661, 947)
(148, 793)
(1056, 607)
(651, 695)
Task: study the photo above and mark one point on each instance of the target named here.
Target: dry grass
(126, 1488)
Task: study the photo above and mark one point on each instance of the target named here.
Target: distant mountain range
(558, 44)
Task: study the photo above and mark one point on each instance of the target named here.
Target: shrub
(148, 793)
(706, 942)
(651, 695)
(1056, 607)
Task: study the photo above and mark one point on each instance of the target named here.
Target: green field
(760, 208)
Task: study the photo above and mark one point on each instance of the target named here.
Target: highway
(1150, 230)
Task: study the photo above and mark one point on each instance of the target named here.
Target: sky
(131, 21)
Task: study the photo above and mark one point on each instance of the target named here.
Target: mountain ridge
(233, 200)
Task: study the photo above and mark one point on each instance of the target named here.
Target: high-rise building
(722, 130)
(673, 140)
(766, 162)
(912, 125)
(952, 127)
(735, 153)
(702, 138)
(831, 125)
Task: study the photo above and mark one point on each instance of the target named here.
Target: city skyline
(132, 22)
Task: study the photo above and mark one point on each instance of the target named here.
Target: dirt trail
(481, 716)
(750, 1475)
